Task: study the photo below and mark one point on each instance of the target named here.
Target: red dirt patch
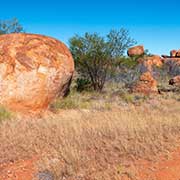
(163, 169)
(20, 170)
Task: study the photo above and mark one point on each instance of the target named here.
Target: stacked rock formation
(146, 83)
(34, 70)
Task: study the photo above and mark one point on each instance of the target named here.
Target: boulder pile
(146, 82)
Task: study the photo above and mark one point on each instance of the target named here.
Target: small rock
(45, 175)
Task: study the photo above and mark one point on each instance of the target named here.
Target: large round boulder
(34, 70)
(136, 51)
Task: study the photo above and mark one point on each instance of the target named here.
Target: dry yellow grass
(89, 144)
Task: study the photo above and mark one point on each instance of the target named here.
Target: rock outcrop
(146, 82)
(34, 70)
(136, 51)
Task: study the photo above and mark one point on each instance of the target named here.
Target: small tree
(10, 26)
(95, 56)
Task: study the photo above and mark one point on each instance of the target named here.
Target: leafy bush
(95, 56)
(127, 72)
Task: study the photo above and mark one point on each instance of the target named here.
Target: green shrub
(66, 103)
(76, 100)
(83, 84)
(133, 98)
(129, 98)
(4, 113)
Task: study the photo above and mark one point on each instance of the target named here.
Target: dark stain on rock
(25, 61)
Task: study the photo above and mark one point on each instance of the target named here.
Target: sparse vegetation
(10, 26)
(91, 144)
(110, 98)
(4, 114)
(96, 56)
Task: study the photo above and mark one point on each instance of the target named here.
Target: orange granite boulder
(136, 51)
(173, 53)
(148, 62)
(34, 70)
(146, 84)
(178, 54)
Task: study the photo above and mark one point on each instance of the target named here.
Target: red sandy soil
(163, 169)
(20, 170)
